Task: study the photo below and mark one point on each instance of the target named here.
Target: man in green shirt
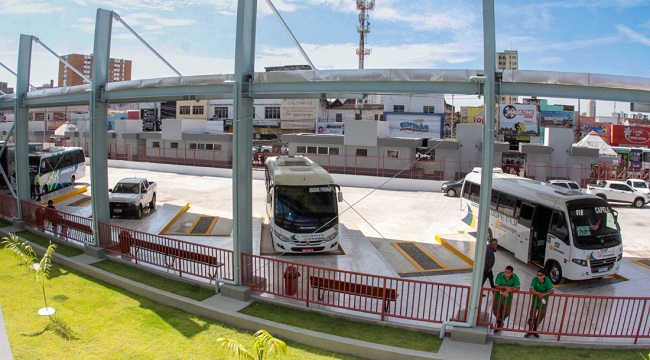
(541, 287)
(507, 282)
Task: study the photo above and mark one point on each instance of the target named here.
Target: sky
(197, 37)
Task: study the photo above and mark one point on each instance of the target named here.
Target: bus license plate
(307, 250)
(117, 211)
(602, 269)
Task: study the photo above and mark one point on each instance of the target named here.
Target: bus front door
(538, 232)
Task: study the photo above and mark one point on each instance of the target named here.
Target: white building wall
(415, 102)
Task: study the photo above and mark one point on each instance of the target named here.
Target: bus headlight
(619, 257)
(581, 262)
(281, 237)
(334, 234)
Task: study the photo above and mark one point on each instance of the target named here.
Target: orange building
(119, 69)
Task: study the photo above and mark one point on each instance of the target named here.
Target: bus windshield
(594, 227)
(305, 209)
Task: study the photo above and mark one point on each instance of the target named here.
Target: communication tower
(364, 28)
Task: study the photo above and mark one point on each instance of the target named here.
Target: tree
(265, 344)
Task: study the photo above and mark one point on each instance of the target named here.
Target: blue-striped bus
(57, 167)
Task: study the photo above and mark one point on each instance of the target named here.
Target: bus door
(532, 242)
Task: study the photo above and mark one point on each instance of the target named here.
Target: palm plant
(26, 255)
(265, 344)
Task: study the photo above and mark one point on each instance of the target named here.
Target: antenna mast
(364, 28)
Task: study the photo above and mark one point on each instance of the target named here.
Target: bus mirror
(268, 198)
(110, 190)
(339, 196)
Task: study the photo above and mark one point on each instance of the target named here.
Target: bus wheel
(72, 181)
(138, 215)
(554, 272)
(44, 190)
(638, 203)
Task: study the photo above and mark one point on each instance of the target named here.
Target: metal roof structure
(245, 85)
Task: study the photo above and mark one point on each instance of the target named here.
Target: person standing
(541, 287)
(489, 262)
(507, 282)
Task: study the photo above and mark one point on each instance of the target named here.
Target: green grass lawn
(42, 241)
(336, 326)
(110, 323)
(505, 352)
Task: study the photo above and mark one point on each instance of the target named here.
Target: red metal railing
(185, 258)
(575, 316)
(414, 300)
(68, 227)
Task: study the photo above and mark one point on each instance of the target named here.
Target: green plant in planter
(26, 255)
(265, 344)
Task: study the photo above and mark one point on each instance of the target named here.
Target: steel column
(21, 121)
(98, 120)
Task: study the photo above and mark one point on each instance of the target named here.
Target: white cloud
(19, 7)
(85, 25)
(633, 35)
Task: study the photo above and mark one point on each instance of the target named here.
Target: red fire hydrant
(291, 280)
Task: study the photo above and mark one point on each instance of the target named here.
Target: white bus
(57, 167)
(301, 205)
(570, 234)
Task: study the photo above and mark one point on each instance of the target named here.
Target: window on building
(334, 151)
(192, 146)
(209, 146)
(311, 150)
(301, 149)
(197, 110)
(221, 112)
(392, 153)
(184, 110)
(173, 145)
(272, 112)
(323, 150)
(357, 116)
(339, 117)
(398, 108)
(379, 117)
(362, 152)
(155, 144)
(428, 109)
(201, 146)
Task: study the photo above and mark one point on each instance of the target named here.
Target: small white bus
(302, 205)
(570, 234)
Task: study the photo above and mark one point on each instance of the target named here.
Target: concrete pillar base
(237, 292)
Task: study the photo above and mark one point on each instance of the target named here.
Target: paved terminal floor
(415, 234)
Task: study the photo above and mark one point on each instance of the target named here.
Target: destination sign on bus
(320, 189)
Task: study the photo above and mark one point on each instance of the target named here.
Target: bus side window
(526, 214)
(80, 157)
(494, 199)
(558, 227)
(45, 166)
(474, 192)
(67, 160)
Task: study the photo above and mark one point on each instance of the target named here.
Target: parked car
(618, 191)
(131, 196)
(452, 188)
(567, 184)
(639, 185)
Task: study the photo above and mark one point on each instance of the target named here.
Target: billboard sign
(516, 120)
(564, 119)
(415, 125)
(330, 128)
(475, 115)
(630, 135)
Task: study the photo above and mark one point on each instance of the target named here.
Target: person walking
(507, 282)
(489, 262)
(541, 287)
